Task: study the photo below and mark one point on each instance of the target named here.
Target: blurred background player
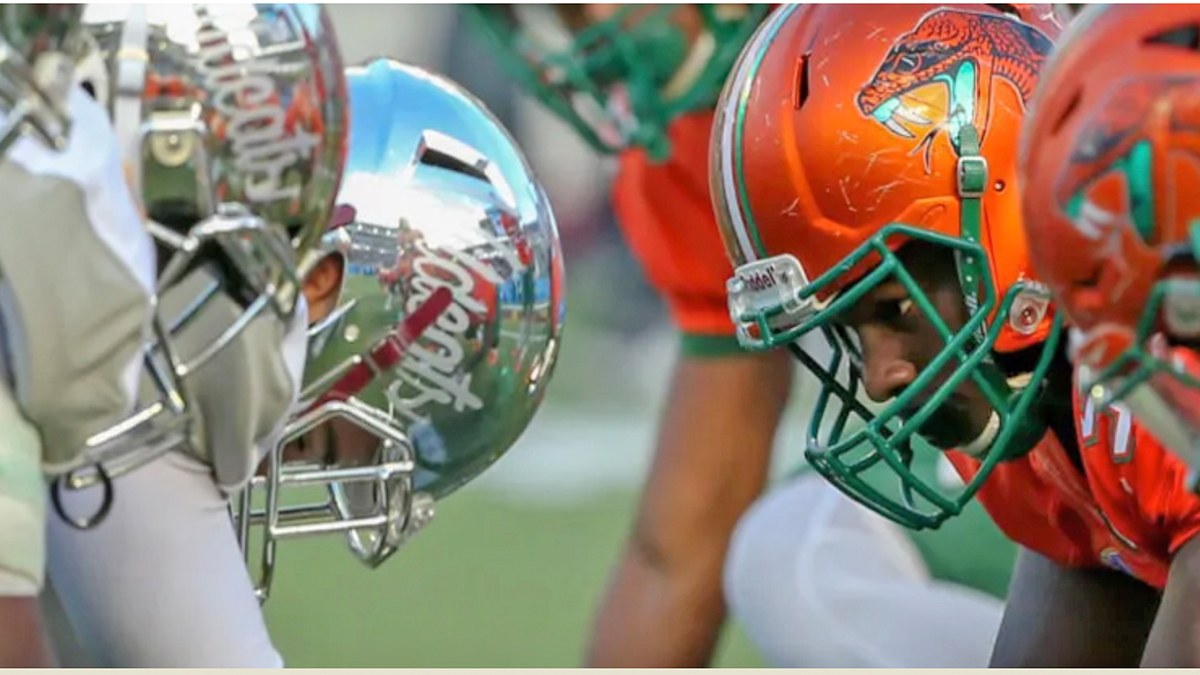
(76, 292)
(916, 271)
(1109, 182)
(640, 82)
(1110, 163)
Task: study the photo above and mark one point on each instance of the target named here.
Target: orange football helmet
(1110, 162)
(844, 132)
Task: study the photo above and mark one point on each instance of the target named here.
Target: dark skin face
(337, 441)
(898, 341)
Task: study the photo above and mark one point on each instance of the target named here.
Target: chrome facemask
(232, 120)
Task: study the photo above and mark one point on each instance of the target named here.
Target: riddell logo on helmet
(245, 92)
(760, 280)
(963, 51)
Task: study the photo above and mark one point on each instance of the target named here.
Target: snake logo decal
(967, 52)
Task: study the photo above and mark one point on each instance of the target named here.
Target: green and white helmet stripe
(731, 117)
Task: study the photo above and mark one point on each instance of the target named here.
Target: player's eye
(894, 313)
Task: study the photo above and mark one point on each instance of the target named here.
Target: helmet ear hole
(89, 88)
(1184, 37)
(800, 93)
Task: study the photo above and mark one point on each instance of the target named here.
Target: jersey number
(1120, 425)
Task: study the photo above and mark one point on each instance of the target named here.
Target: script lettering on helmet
(245, 92)
(429, 372)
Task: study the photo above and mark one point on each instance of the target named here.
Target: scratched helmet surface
(846, 133)
(451, 314)
(231, 122)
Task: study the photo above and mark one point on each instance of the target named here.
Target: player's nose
(886, 369)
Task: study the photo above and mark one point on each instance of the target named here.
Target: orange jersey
(1128, 510)
(665, 214)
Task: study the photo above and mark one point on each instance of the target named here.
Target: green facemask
(1172, 300)
(609, 80)
(1137, 365)
(849, 442)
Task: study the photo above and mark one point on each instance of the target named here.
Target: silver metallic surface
(37, 47)
(448, 326)
(232, 120)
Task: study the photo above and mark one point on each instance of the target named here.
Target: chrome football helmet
(232, 122)
(37, 47)
(448, 325)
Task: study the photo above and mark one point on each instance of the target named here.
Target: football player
(1111, 203)
(392, 413)
(235, 217)
(445, 304)
(811, 575)
(865, 173)
(76, 294)
(1110, 220)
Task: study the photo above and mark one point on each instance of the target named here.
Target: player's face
(322, 287)
(336, 443)
(897, 342)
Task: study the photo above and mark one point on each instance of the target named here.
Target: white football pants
(818, 581)
(161, 583)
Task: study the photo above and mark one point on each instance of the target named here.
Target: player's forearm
(665, 605)
(23, 508)
(22, 635)
(1058, 617)
(649, 620)
(1174, 640)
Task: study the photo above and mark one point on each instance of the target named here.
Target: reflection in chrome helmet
(232, 121)
(449, 322)
(38, 43)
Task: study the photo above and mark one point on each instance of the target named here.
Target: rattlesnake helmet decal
(967, 52)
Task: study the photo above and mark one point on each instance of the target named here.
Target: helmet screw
(1028, 310)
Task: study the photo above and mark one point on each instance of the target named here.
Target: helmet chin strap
(979, 447)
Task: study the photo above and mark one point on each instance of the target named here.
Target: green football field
(503, 576)
(490, 583)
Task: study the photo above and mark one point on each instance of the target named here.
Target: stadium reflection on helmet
(37, 47)
(231, 120)
(447, 331)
